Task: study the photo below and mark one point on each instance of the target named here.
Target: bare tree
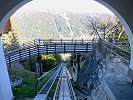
(106, 28)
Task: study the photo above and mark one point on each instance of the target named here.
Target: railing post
(38, 50)
(50, 41)
(61, 42)
(19, 54)
(64, 47)
(82, 41)
(43, 41)
(39, 60)
(23, 45)
(74, 47)
(47, 48)
(39, 41)
(86, 47)
(72, 40)
(34, 41)
(93, 41)
(9, 60)
(30, 57)
(39, 64)
(55, 48)
(29, 51)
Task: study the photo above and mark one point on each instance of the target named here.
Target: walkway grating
(64, 93)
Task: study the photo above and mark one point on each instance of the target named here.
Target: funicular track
(64, 89)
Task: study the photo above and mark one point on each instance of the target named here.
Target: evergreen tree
(4, 42)
(13, 40)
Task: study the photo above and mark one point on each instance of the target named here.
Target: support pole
(86, 47)
(30, 59)
(64, 48)
(72, 41)
(61, 42)
(5, 87)
(39, 62)
(74, 47)
(82, 41)
(78, 61)
(55, 48)
(46, 48)
(9, 61)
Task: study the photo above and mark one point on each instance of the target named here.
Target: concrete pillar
(5, 87)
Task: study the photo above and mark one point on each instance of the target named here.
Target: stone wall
(112, 61)
(89, 75)
(99, 66)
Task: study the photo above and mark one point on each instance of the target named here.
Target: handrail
(121, 43)
(71, 88)
(48, 85)
(61, 40)
(115, 53)
(117, 47)
(39, 41)
(72, 93)
(45, 75)
(55, 97)
(20, 46)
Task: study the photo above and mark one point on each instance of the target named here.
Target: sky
(82, 6)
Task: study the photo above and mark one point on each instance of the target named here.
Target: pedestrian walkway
(120, 87)
(64, 93)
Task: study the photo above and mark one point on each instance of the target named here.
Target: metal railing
(72, 93)
(42, 79)
(43, 93)
(56, 94)
(42, 41)
(31, 49)
(115, 50)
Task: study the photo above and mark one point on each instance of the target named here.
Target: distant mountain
(46, 25)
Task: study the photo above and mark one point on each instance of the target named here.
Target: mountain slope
(46, 25)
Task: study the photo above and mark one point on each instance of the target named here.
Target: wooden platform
(38, 47)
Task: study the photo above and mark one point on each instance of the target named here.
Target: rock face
(96, 74)
(89, 75)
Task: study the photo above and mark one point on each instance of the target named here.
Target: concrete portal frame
(5, 88)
